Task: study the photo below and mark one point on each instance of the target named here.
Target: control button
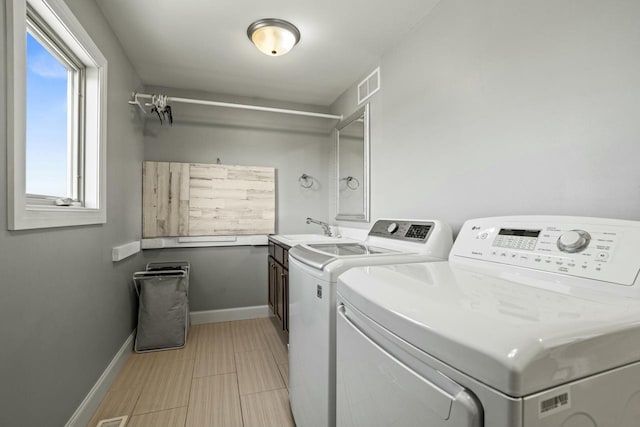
(573, 241)
(484, 236)
(603, 256)
(392, 228)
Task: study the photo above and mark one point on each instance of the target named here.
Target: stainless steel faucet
(324, 225)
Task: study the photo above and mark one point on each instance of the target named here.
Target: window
(56, 128)
(55, 78)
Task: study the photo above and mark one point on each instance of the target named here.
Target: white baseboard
(87, 408)
(228, 314)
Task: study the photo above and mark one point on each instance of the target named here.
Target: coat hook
(306, 181)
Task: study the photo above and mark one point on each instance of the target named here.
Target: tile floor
(229, 374)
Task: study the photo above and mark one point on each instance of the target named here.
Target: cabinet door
(280, 294)
(272, 284)
(285, 294)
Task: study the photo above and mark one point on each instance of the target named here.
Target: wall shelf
(204, 241)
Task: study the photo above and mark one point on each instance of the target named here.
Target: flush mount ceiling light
(273, 37)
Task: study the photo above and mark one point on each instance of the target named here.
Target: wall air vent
(114, 422)
(369, 86)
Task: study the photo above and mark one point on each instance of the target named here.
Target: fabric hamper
(163, 311)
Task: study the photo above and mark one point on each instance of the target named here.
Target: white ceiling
(202, 44)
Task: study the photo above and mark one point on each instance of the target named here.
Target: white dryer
(533, 322)
(313, 272)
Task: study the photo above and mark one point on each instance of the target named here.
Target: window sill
(54, 208)
(39, 216)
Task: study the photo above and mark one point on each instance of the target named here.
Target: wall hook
(306, 181)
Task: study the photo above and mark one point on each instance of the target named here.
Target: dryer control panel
(606, 250)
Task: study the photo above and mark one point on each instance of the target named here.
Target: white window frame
(26, 212)
(40, 31)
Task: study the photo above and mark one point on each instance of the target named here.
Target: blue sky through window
(47, 80)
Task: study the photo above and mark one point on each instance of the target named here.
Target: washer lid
(347, 249)
(319, 255)
(515, 338)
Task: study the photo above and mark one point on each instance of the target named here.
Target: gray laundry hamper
(163, 312)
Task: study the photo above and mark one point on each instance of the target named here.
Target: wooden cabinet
(278, 263)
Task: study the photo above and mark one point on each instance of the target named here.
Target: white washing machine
(533, 322)
(313, 271)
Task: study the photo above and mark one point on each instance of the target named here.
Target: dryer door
(381, 385)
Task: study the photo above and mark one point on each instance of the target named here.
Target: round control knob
(392, 228)
(573, 241)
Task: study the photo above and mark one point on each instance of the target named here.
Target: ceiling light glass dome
(273, 37)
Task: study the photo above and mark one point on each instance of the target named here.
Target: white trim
(87, 408)
(22, 215)
(118, 253)
(16, 121)
(204, 241)
(228, 314)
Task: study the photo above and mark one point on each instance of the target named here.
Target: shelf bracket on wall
(136, 102)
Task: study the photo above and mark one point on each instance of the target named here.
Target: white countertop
(296, 239)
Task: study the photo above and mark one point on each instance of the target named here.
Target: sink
(301, 237)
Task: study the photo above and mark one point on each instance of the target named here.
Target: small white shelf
(204, 241)
(118, 253)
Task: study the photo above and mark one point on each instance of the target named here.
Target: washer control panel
(414, 231)
(516, 239)
(591, 248)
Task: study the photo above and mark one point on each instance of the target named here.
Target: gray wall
(227, 277)
(65, 308)
(509, 107)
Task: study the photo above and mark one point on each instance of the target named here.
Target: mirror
(352, 151)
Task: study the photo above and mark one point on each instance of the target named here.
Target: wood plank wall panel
(182, 199)
(231, 200)
(165, 196)
(149, 199)
(162, 192)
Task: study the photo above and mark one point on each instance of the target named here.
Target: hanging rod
(136, 101)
